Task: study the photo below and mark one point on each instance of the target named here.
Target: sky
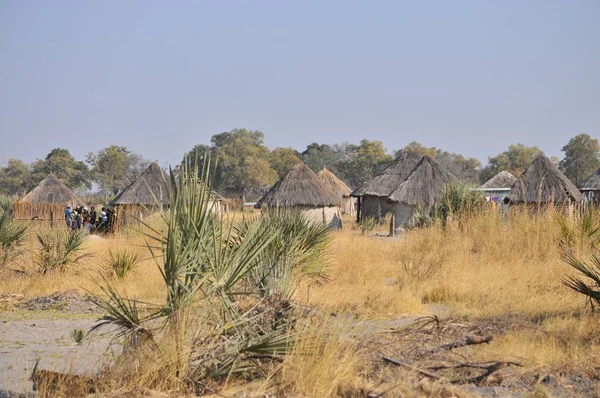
(159, 77)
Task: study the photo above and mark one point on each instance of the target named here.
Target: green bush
(78, 335)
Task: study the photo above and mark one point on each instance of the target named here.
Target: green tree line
(246, 166)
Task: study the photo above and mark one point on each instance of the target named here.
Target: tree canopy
(115, 167)
(514, 160)
(582, 158)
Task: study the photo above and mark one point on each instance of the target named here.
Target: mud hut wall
(319, 214)
(375, 207)
(348, 205)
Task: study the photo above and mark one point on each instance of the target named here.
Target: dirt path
(22, 342)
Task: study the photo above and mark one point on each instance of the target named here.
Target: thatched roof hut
(151, 188)
(502, 180)
(300, 186)
(592, 183)
(46, 201)
(340, 188)
(543, 182)
(424, 184)
(392, 176)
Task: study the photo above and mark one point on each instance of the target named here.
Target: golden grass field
(484, 268)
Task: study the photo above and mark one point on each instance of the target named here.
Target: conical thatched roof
(592, 183)
(51, 190)
(335, 183)
(391, 177)
(424, 184)
(543, 182)
(150, 188)
(300, 186)
(502, 180)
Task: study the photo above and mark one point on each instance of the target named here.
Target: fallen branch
(489, 370)
(414, 369)
(469, 340)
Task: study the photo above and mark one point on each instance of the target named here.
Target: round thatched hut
(47, 201)
(148, 194)
(422, 188)
(340, 188)
(590, 188)
(301, 188)
(543, 182)
(496, 188)
(372, 195)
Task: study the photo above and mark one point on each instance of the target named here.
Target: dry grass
(485, 267)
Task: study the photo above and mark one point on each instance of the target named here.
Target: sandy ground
(23, 342)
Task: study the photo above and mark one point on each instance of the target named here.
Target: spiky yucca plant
(121, 262)
(457, 201)
(295, 253)
(590, 286)
(579, 231)
(11, 231)
(58, 249)
(214, 320)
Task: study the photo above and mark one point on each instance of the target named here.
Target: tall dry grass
(487, 266)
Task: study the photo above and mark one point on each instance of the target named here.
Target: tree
(15, 178)
(243, 161)
(115, 167)
(467, 169)
(582, 158)
(283, 159)
(514, 160)
(316, 156)
(75, 174)
(365, 161)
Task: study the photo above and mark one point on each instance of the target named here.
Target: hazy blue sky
(160, 77)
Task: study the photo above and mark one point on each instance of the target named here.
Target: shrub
(58, 249)
(11, 231)
(367, 225)
(121, 262)
(78, 335)
(590, 286)
(217, 319)
(457, 201)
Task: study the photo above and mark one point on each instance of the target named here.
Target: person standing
(68, 219)
(93, 215)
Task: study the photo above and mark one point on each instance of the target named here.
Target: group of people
(81, 218)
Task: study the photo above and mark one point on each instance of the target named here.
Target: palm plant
(580, 231)
(591, 271)
(215, 316)
(294, 254)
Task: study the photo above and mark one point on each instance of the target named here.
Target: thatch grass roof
(300, 186)
(502, 180)
(391, 177)
(592, 183)
(424, 184)
(543, 182)
(335, 183)
(52, 190)
(150, 188)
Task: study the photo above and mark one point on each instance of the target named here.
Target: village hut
(301, 188)
(420, 190)
(47, 201)
(496, 188)
(590, 188)
(148, 194)
(543, 182)
(340, 188)
(372, 195)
